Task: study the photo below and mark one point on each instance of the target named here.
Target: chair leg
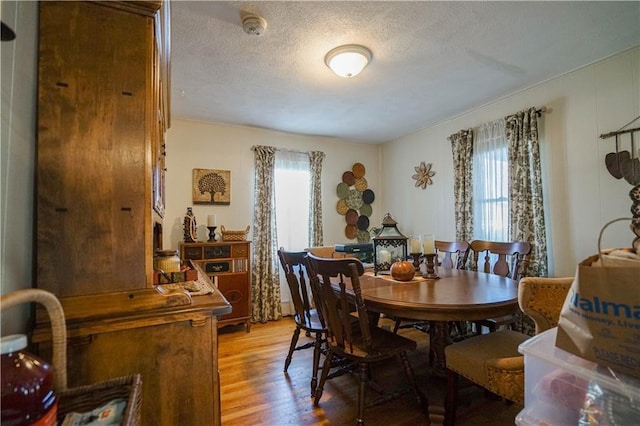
(323, 378)
(292, 347)
(451, 398)
(396, 326)
(411, 377)
(363, 377)
(317, 348)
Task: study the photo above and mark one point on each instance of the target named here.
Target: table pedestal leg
(438, 339)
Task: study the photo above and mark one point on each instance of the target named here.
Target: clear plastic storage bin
(564, 389)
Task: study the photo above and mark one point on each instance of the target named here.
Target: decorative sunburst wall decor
(423, 175)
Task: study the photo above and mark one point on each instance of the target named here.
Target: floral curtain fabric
(315, 199)
(462, 147)
(525, 188)
(265, 283)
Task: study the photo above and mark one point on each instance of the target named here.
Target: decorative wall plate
(358, 170)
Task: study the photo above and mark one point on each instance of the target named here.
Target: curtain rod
(253, 148)
(540, 110)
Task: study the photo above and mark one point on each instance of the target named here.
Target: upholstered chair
(492, 360)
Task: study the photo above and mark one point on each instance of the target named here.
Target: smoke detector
(253, 25)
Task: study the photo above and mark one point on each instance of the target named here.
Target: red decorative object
(403, 271)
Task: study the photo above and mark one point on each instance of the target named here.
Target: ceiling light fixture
(347, 61)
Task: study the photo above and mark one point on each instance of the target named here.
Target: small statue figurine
(190, 228)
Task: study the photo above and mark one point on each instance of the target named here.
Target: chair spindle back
(294, 271)
(330, 278)
(455, 253)
(512, 258)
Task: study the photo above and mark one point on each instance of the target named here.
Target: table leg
(438, 340)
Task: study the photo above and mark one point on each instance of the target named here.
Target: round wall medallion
(348, 178)
(358, 170)
(363, 223)
(368, 196)
(351, 217)
(342, 190)
(350, 231)
(361, 184)
(342, 207)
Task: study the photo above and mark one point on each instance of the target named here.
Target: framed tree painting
(211, 186)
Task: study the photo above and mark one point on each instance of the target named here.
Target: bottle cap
(13, 343)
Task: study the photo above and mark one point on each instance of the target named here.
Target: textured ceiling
(431, 60)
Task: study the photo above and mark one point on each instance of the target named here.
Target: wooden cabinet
(170, 339)
(103, 109)
(229, 261)
(100, 121)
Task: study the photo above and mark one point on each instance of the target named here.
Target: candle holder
(430, 261)
(416, 260)
(212, 233)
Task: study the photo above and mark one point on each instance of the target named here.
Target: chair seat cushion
(468, 357)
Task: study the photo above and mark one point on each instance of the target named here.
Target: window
(491, 183)
(292, 183)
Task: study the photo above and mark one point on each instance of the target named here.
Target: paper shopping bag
(600, 319)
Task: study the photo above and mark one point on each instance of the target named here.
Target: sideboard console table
(171, 339)
(230, 263)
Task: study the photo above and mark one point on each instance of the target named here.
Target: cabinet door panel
(180, 382)
(235, 290)
(93, 180)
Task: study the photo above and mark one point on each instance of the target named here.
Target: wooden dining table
(458, 295)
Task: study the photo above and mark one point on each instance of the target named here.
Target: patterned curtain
(462, 147)
(315, 199)
(265, 283)
(525, 188)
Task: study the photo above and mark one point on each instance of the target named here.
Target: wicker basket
(234, 235)
(87, 398)
(84, 398)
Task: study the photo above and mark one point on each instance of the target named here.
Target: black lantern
(389, 245)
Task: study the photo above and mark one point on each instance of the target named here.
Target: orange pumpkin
(403, 271)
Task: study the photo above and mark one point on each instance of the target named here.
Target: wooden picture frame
(211, 186)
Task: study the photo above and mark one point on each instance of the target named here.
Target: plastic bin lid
(12, 343)
(543, 346)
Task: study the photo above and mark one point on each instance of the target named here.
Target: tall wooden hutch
(103, 110)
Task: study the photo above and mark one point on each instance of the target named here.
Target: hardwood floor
(256, 391)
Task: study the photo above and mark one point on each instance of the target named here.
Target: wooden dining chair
(359, 341)
(492, 360)
(507, 259)
(454, 255)
(306, 317)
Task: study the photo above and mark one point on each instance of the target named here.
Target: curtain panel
(265, 283)
(462, 147)
(316, 232)
(525, 188)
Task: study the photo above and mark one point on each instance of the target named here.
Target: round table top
(458, 295)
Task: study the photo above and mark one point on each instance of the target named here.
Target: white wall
(17, 156)
(580, 194)
(194, 144)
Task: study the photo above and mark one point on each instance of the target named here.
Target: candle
(385, 256)
(415, 246)
(428, 244)
(211, 220)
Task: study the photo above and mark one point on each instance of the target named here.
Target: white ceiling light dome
(349, 60)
